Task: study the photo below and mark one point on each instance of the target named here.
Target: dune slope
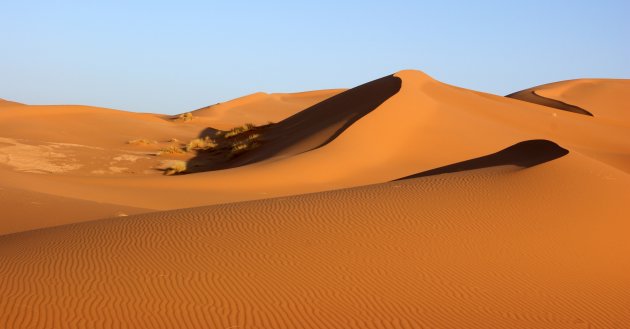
(602, 98)
(7, 103)
(323, 122)
(498, 247)
(355, 138)
(533, 96)
(261, 108)
(25, 210)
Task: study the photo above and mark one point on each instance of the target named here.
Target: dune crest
(524, 155)
(603, 98)
(534, 96)
(5, 103)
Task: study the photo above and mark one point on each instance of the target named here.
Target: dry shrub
(185, 116)
(205, 143)
(247, 144)
(239, 130)
(141, 141)
(174, 167)
(171, 149)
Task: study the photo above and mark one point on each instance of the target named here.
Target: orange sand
(512, 212)
(260, 108)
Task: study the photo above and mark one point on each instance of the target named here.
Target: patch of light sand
(35, 158)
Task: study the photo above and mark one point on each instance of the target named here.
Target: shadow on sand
(524, 154)
(306, 130)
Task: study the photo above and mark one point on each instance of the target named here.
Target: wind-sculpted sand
(489, 248)
(401, 203)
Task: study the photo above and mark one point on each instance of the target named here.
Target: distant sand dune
(604, 98)
(6, 103)
(260, 108)
(381, 131)
(533, 97)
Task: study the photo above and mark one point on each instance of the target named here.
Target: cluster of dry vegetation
(240, 139)
(224, 145)
(237, 130)
(171, 149)
(185, 117)
(246, 144)
(174, 167)
(205, 143)
(141, 141)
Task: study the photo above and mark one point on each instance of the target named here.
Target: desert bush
(239, 130)
(246, 144)
(239, 147)
(174, 167)
(141, 141)
(205, 143)
(185, 116)
(171, 149)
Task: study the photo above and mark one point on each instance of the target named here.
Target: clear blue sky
(175, 56)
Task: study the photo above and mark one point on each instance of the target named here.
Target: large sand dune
(489, 248)
(424, 125)
(401, 203)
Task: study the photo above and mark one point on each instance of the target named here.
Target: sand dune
(401, 203)
(424, 125)
(603, 98)
(534, 96)
(7, 103)
(487, 248)
(261, 108)
(87, 125)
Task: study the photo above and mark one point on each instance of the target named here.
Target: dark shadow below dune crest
(307, 130)
(531, 96)
(524, 154)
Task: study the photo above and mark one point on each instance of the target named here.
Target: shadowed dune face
(317, 125)
(524, 154)
(530, 95)
(321, 123)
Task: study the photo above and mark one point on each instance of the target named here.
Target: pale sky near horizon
(176, 56)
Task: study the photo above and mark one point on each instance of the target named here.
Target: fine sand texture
(501, 247)
(404, 202)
